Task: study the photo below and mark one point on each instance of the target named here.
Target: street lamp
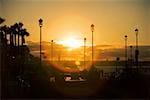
(136, 51)
(40, 24)
(131, 55)
(125, 50)
(84, 51)
(92, 29)
(51, 50)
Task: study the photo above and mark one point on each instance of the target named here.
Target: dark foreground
(35, 83)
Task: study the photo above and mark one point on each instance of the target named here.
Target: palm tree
(2, 34)
(24, 33)
(4, 31)
(11, 36)
(15, 32)
(1, 20)
(19, 27)
(1, 29)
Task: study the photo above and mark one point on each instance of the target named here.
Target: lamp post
(131, 59)
(40, 24)
(84, 51)
(131, 52)
(125, 50)
(51, 50)
(136, 51)
(92, 29)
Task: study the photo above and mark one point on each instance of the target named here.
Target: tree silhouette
(11, 33)
(23, 33)
(1, 20)
(19, 27)
(4, 31)
(15, 32)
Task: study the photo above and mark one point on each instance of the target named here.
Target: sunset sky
(65, 19)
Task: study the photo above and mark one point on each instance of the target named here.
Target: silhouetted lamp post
(92, 29)
(126, 51)
(84, 51)
(117, 61)
(51, 50)
(40, 24)
(131, 59)
(136, 51)
(131, 52)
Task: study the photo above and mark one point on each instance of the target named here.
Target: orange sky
(72, 19)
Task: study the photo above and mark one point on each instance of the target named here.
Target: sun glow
(71, 43)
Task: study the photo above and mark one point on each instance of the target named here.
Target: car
(67, 77)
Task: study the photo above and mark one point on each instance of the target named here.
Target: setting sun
(71, 43)
(77, 49)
